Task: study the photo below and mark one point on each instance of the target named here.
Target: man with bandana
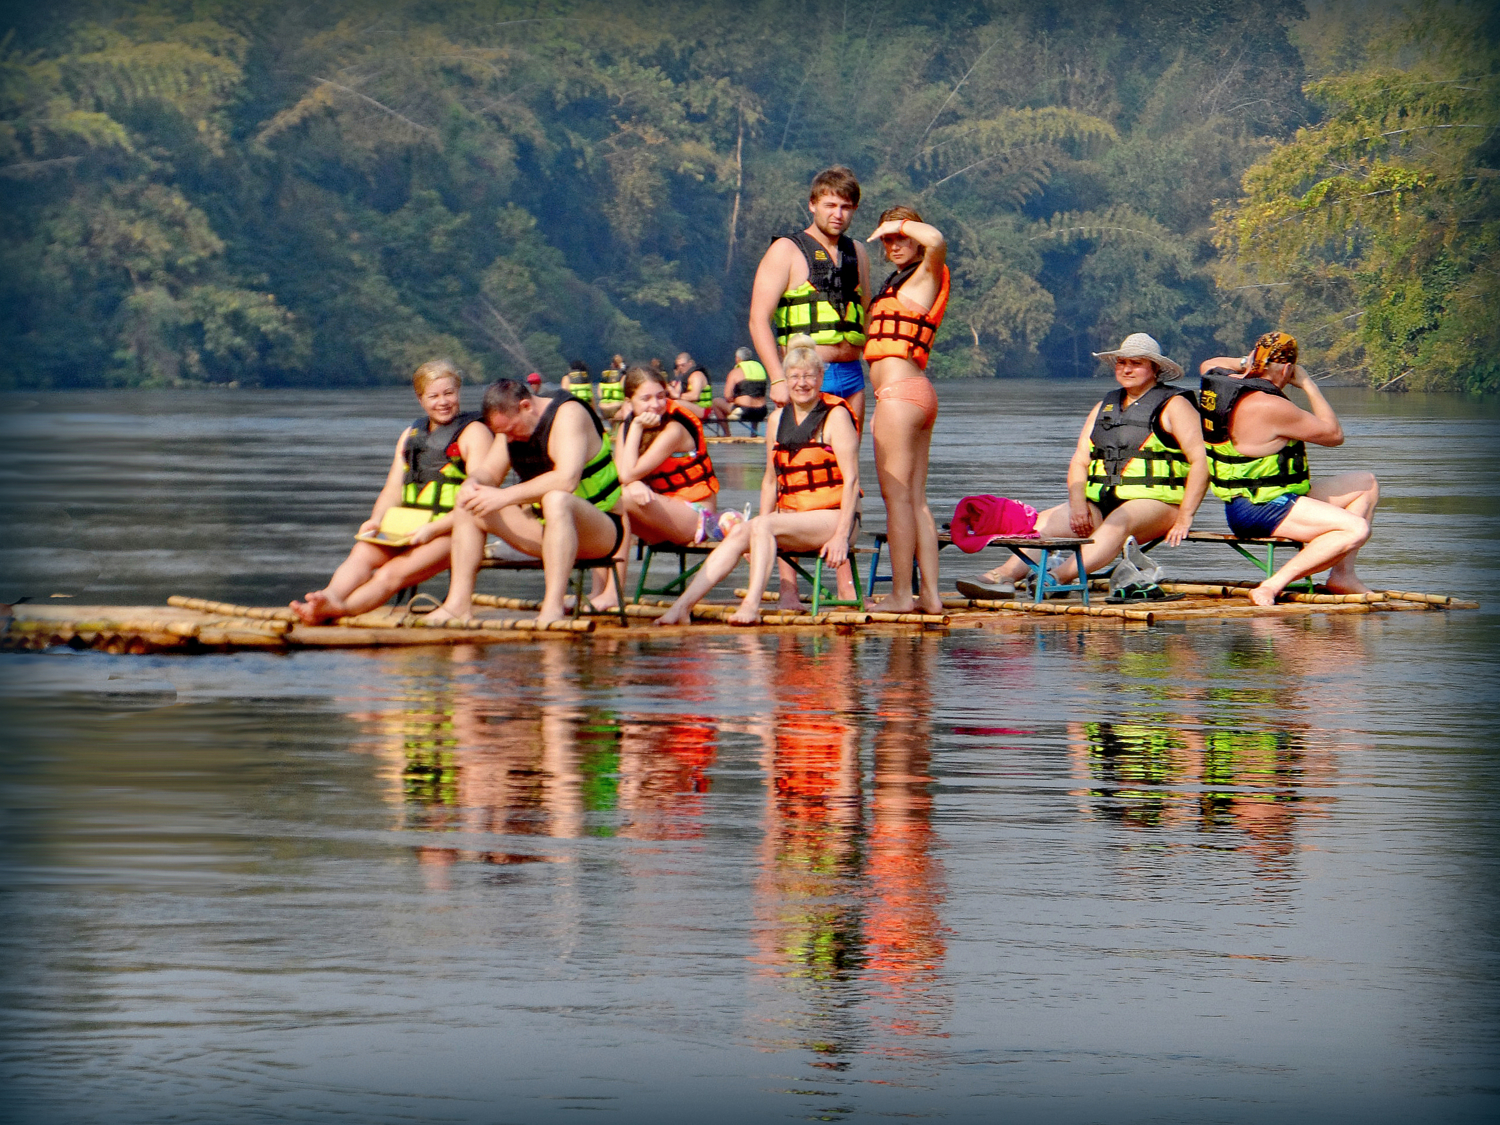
(1257, 461)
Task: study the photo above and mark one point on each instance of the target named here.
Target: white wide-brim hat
(1138, 345)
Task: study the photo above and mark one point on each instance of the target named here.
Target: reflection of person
(1257, 454)
(666, 474)
(816, 281)
(808, 495)
(745, 389)
(808, 923)
(1138, 469)
(432, 457)
(560, 510)
(904, 318)
(903, 926)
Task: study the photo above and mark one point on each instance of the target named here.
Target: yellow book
(397, 525)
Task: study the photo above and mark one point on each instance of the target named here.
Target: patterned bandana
(1273, 347)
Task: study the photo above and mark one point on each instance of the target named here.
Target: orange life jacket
(807, 473)
(685, 476)
(896, 329)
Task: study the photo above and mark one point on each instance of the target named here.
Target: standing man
(1257, 464)
(816, 281)
(560, 510)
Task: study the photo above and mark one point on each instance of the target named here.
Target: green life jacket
(611, 390)
(706, 395)
(581, 389)
(434, 465)
(755, 380)
(1230, 472)
(828, 306)
(1132, 453)
(600, 484)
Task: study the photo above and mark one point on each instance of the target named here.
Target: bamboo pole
(227, 609)
(1050, 609)
(909, 618)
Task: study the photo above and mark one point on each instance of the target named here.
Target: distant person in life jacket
(666, 474)
(903, 322)
(809, 495)
(432, 458)
(1138, 469)
(745, 389)
(698, 391)
(563, 506)
(1257, 461)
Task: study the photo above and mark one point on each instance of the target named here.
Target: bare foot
(673, 616)
(444, 616)
(745, 615)
(1261, 595)
(605, 602)
(930, 605)
(548, 616)
(1350, 585)
(788, 602)
(319, 607)
(906, 605)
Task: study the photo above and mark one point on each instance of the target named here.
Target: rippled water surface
(1237, 871)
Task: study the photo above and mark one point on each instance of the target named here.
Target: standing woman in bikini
(903, 319)
(669, 484)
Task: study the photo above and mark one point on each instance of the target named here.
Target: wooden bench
(1266, 566)
(1043, 581)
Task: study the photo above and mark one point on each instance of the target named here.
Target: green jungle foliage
(214, 191)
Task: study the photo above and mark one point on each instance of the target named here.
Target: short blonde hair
(436, 369)
(802, 353)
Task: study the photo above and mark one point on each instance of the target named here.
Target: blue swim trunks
(844, 378)
(1257, 521)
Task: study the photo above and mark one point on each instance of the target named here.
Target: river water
(1238, 871)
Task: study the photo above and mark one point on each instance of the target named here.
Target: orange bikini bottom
(916, 390)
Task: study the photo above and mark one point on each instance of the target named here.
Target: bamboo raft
(190, 625)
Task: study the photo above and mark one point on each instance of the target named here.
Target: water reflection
(849, 894)
(1223, 748)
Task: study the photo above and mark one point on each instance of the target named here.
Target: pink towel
(978, 518)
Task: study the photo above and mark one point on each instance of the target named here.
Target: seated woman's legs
(1051, 524)
(655, 518)
(363, 560)
(723, 559)
(789, 531)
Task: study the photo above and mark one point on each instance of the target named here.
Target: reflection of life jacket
(807, 473)
(754, 381)
(434, 465)
(611, 386)
(600, 485)
(897, 329)
(1230, 472)
(684, 476)
(1132, 453)
(827, 305)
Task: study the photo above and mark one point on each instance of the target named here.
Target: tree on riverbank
(205, 191)
(1382, 222)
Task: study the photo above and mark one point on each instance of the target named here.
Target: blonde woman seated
(414, 510)
(809, 496)
(662, 458)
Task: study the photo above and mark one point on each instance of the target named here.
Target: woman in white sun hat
(1139, 469)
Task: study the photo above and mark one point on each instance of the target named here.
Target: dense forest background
(214, 191)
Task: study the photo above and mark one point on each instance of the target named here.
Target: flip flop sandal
(422, 603)
(1141, 592)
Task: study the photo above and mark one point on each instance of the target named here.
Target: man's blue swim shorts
(844, 378)
(1257, 521)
